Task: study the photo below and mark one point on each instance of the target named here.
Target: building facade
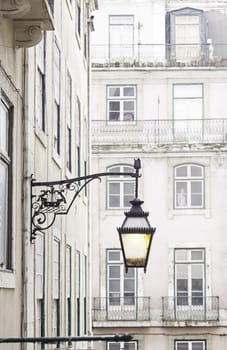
(44, 136)
(159, 83)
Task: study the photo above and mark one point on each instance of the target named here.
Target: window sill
(186, 212)
(7, 279)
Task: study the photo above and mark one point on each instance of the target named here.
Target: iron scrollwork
(56, 197)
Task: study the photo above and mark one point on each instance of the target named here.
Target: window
(5, 184)
(56, 287)
(186, 34)
(78, 286)
(189, 276)
(68, 288)
(84, 294)
(40, 85)
(78, 17)
(190, 345)
(39, 264)
(121, 103)
(121, 286)
(122, 346)
(121, 36)
(188, 101)
(78, 135)
(69, 122)
(57, 120)
(189, 186)
(120, 188)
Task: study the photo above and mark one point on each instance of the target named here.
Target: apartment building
(44, 136)
(159, 83)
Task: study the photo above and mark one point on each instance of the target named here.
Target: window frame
(123, 50)
(57, 112)
(121, 180)
(56, 293)
(189, 180)
(190, 343)
(122, 344)
(121, 99)
(69, 121)
(6, 163)
(189, 262)
(41, 84)
(123, 299)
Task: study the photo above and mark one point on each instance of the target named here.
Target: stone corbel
(14, 8)
(27, 33)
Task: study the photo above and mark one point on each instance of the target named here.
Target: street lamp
(56, 198)
(136, 232)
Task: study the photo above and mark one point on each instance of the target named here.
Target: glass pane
(114, 188)
(114, 271)
(182, 299)
(130, 273)
(128, 116)
(181, 255)
(182, 271)
(114, 299)
(115, 169)
(3, 127)
(197, 284)
(128, 188)
(114, 285)
(197, 271)
(188, 108)
(128, 106)
(182, 285)
(181, 171)
(129, 299)
(128, 91)
(196, 187)
(196, 170)
(129, 285)
(188, 91)
(198, 346)
(3, 203)
(114, 346)
(196, 200)
(114, 116)
(181, 194)
(127, 200)
(197, 254)
(114, 105)
(114, 91)
(114, 201)
(182, 346)
(129, 346)
(114, 256)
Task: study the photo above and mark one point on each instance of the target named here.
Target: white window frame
(190, 344)
(122, 181)
(40, 85)
(183, 200)
(69, 122)
(188, 95)
(56, 286)
(125, 297)
(57, 116)
(121, 37)
(125, 115)
(131, 345)
(5, 162)
(191, 296)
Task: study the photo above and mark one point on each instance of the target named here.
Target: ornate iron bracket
(56, 197)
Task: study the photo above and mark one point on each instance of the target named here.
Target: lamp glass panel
(136, 222)
(135, 247)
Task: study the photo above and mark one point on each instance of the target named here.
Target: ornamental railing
(122, 308)
(190, 309)
(159, 55)
(162, 131)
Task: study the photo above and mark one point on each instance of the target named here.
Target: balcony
(159, 55)
(121, 309)
(159, 132)
(187, 309)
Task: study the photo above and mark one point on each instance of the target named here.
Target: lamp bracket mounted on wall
(52, 198)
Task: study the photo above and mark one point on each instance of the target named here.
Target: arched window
(120, 188)
(189, 186)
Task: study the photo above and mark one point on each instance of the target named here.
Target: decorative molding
(27, 33)
(14, 8)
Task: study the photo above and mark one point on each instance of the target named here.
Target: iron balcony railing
(190, 309)
(122, 308)
(159, 55)
(163, 131)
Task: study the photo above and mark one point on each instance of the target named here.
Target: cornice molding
(14, 8)
(27, 34)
